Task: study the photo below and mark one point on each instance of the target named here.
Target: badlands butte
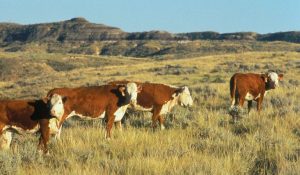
(80, 36)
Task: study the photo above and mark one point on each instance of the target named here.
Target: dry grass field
(198, 140)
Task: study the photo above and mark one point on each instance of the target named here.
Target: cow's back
(153, 94)
(249, 82)
(89, 101)
(22, 113)
(86, 93)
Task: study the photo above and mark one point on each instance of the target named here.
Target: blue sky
(262, 16)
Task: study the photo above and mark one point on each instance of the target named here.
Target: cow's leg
(234, 101)
(57, 135)
(161, 122)
(118, 125)
(241, 102)
(238, 109)
(234, 108)
(249, 105)
(155, 116)
(45, 134)
(60, 125)
(5, 139)
(109, 124)
(259, 103)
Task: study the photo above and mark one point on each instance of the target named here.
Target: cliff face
(79, 36)
(76, 29)
(79, 29)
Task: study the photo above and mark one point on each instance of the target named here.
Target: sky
(224, 16)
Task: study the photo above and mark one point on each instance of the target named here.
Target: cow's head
(272, 79)
(130, 91)
(184, 96)
(55, 105)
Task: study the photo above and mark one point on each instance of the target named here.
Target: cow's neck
(168, 106)
(268, 86)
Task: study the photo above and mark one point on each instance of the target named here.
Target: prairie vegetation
(198, 140)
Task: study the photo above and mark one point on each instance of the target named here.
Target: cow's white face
(132, 91)
(274, 79)
(56, 106)
(185, 98)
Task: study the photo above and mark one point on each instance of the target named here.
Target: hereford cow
(110, 101)
(159, 99)
(249, 87)
(26, 116)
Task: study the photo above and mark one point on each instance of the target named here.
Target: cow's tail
(232, 89)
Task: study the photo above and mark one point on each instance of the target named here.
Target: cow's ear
(45, 99)
(139, 88)
(264, 77)
(64, 99)
(121, 89)
(280, 77)
(178, 91)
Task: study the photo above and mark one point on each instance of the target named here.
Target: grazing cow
(250, 86)
(110, 101)
(26, 116)
(160, 99)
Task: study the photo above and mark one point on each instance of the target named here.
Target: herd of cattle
(111, 101)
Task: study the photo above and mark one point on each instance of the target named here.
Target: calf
(249, 87)
(26, 116)
(110, 101)
(159, 99)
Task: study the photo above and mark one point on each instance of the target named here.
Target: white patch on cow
(101, 115)
(141, 108)
(132, 90)
(185, 98)
(233, 102)
(73, 113)
(57, 106)
(5, 139)
(251, 97)
(53, 126)
(167, 107)
(21, 130)
(120, 113)
(274, 77)
(57, 135)
(257, 96)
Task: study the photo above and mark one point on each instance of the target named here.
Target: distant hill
(78, 35)
(76, 29)
(79, 29)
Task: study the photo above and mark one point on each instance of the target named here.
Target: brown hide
(27, 115)
(92, 101)
(254, 84)
(153, 96)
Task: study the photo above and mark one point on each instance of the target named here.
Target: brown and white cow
(110, 101)
(159, 99)
(249, 87)
(26, 116)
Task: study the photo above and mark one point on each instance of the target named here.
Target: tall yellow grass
(199, 140)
